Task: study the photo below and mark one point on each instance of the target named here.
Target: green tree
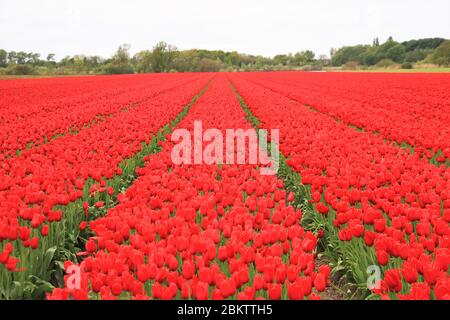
(382, 50)
(422, 44)
(233, 59)
(22, 57)
(51, 57)
(120, 62)
(12, 57)
(346, 54)
(282, 59)
(34, 59)
(396, 53)
(79, 63)
(370, 56)
(122, 55)
(186, 61)
(66, 61)
(143, 61)
(209, 65)
(441, 55)
(162, 56)
(3, 58)
(416, 55)
(93, 62)
(303, 58)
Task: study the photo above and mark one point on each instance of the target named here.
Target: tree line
(430, 50)
(164, 57)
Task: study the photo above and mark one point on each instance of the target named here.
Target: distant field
(389, 70)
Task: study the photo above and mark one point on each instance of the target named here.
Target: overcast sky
(249, 26)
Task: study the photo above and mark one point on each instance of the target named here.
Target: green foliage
(441, 56)
(3, 58)
(396, 53)
(382, 50)
(51, 57)
(407, 65)
(120, 62)
(346, 54)
(304, 57)
(351, 65)
(422, 44)
(416, 55)
(142, 61)
(118, 69)
(164, 57)
(369, 55)
(209, 65)
(186, 61)
(385, 63)
(20, 69)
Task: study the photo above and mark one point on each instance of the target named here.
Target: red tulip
(83, 225)
(320, 282)
(34, 243)
(290, 197)
(382, 257)
(201, 291)
(91, 246)
(258, 282)
(44, 230)
(99, 204)
(393, 280)
(321, 208)
(295, 292)
(409, 273)
(275, 291)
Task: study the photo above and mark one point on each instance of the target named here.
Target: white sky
(248, 26)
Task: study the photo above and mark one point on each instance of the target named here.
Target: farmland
(93, 206)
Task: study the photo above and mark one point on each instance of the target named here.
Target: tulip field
(92, 205)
